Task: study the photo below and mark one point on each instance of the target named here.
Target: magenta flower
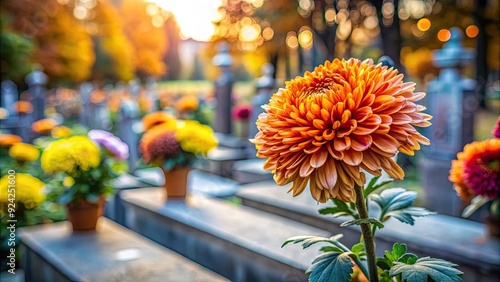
(496, 129)
(112, 144)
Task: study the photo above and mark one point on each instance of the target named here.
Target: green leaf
(475, 204)
(93, 198)
(425, 268)
(356, 248)
(339, 209)
(397, 202)
(311, 240)
(370, 220)
(408, 258)
(398, 250)
(331, 266)
(331, 249)
(371, 187)
(384, 263)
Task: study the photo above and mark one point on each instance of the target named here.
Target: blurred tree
(15, 52)
(63, 47)
(143, 25)
(114, 52)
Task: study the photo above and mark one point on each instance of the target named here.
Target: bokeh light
(472, 31)
(424, 24)
(444, 35)
(195, 17)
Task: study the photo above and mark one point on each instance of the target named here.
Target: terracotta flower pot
(176, 182)
(83, 215)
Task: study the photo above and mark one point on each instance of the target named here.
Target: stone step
(52, 252)
(240, 243)
(249, 171)
(454, 239)
(199, 182)
(220, 160)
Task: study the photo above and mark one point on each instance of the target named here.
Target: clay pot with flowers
(476, 178)
(173, 145)
(87, 164)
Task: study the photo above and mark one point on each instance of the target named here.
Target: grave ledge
(245, 242)
(52, 252)
(454, 239)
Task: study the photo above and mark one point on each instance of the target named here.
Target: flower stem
(367, 234)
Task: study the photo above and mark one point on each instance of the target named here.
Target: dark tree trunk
(482, 52)
(391, 35)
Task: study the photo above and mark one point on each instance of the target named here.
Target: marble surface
(52, 252)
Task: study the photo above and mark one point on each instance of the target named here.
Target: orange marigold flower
(342, 117)
(97, 97)
(477, 170)
(23, 107)
(157, 118)
(43, 126)
(187, 103)
(60, 131)
(7, 140)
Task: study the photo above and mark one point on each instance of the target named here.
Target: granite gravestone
(37, 81)
(451, 101)
(223, 90)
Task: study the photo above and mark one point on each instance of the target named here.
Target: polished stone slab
(458, 240)
(52, 252)
(249, 171)
(240, 243)
(199, 182)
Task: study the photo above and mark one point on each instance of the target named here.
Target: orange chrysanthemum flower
(23, 107)
(476, 171)
(43, 126)
(342, 117)
(7, 140)
(97, 97)
(153, 119)
(158, 144)
(187, 103)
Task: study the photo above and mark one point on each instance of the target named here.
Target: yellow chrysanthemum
(24, 152)
(28, 190)
(195, 137)
(60, 131)
(66, 155)
(342, 117)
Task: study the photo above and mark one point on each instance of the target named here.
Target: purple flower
(111, 143)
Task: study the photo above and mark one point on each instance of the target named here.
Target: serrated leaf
(339, 209)
(407, 215)
(398, 250)
(311, 240)
(356, 248)
(331, 266)
(408, 258)
(384, 263)
(330, 249)
(425, 268)
(370, 220)
(397, 202)
(334, 211)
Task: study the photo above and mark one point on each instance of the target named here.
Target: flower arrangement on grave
(476, 178)
(174, 145)
(85, 166)
(320, 132)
